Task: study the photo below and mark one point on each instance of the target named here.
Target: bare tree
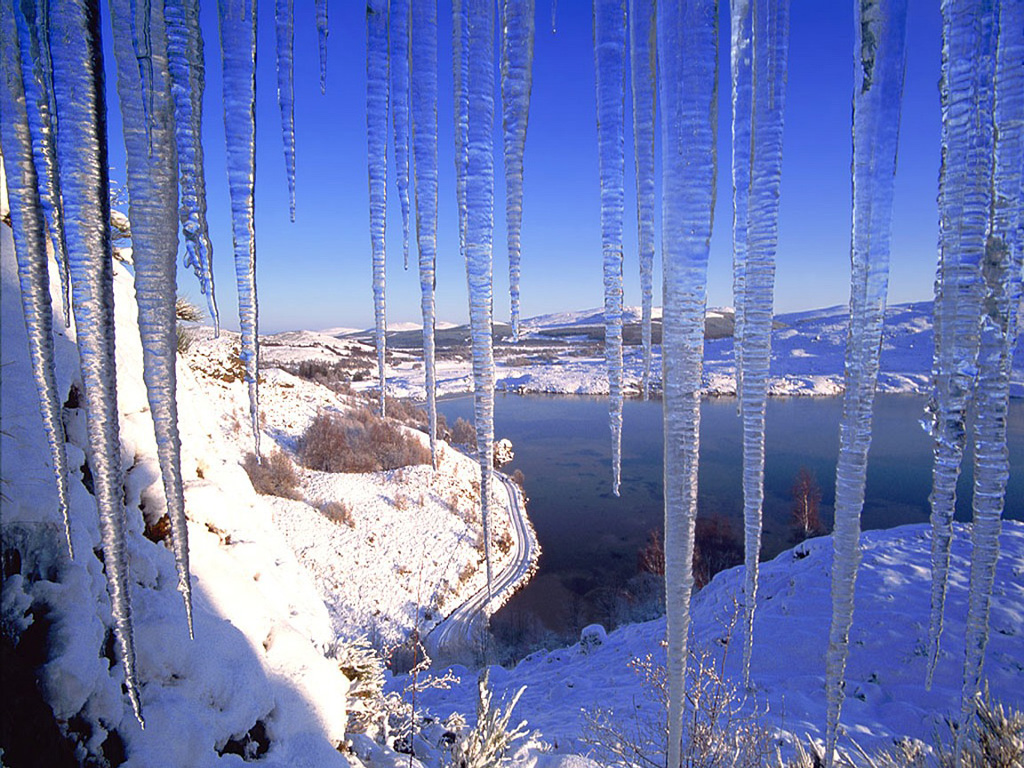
(806, 494)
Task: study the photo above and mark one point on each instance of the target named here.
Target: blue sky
(315, 273)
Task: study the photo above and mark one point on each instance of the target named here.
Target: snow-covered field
(562, 353)
(886, 696)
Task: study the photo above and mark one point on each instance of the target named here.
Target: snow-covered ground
(562, 353)
(275, 582)
(886, 696)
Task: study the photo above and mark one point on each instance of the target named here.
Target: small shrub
(463, 433)
(338, 512)
(519, 479)
(806, 521)
(274, 476)
(186, 311)
(486, 744)
(715, 548)
(358, 442)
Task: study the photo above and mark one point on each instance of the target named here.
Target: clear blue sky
(315, 273)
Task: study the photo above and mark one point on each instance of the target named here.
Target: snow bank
(885, 691)
(257, 664)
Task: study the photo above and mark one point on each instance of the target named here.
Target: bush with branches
(358, 442)
(274, 475)
(463, 433)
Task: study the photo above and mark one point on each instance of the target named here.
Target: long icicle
(968, 65)
(479, 202)
(610, 64)
(30, 248)
(153, 193)
(688, 87)
(1004, 261)
(322, 30)
(77, 52)
(879, 63)
(759, 78)
(284, 25)
(517, 34)
(643, 69)
(38, 81)
(238, 53)
(187, 68)
(423, 88)
(377, 168)
(398, 63)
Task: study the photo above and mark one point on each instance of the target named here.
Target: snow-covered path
(453, 640)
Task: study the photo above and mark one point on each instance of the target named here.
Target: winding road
(452, 640)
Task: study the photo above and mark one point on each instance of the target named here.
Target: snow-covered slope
(257, 665)
(275, 581)
(886, 695)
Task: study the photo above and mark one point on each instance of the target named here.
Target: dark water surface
(590, 539)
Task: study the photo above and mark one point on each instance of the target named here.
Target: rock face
(503, 452)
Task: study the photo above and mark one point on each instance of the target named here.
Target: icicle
(460, 70)
(760, 38)
(688, 77)
(554, 16)
(877, 95)
(1004, 260)
(423, 87)
(284, 18)
(398, 62)
(185, 62)
(643, 66)
(238, 52)
(153, 194)
(82, 149)
(968, 52)
(322, 32)
(377, 164)
(37, 69)
(516, 81)
(30, 247)
(610, 63)
(138, 29)
(479, 203)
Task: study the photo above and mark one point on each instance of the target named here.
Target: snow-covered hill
(886, 696)
(563, 353)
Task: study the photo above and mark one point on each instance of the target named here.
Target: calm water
(590, 539)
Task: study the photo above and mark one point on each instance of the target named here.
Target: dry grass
(274, 476)
(359, 442)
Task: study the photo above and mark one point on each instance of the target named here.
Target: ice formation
(77, 52)
(760, 41)
(377, 166)
(688, 77)
(968, 63)
(517, 33)
(610, 65)
(187, 68)
(477, 22)
(1001, 271)
(37, 70)
(398, 61)
(643, 69)
(879, 64)
(423, 87)
(152, 176)
(284, 24)
(30, 246)
(322, 30)
(238, 54)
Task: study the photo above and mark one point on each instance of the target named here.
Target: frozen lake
(590, 539)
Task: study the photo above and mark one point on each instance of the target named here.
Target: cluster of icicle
(55, 151)
(54, 139)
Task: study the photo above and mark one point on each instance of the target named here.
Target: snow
(807, 356)
(886, 696)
